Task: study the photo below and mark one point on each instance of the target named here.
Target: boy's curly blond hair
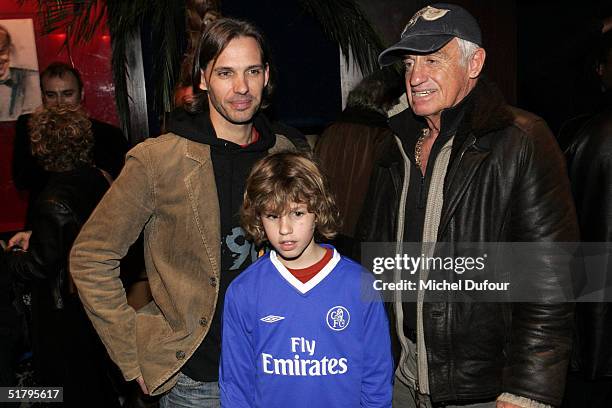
(280, 179)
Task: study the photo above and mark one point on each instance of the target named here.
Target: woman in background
(67, 351)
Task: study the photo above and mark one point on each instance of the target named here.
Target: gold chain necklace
(418, 147)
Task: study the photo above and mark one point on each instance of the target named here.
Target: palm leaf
(124, 19)
(121, 27)
(344, 22)
(78, 18)
(166, 16)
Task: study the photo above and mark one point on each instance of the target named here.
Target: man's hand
(21, 239)
(143, 387)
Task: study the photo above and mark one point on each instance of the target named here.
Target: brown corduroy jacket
(166, 189)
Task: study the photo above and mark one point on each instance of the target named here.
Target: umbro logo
(271, 319)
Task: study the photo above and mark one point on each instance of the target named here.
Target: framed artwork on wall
(19, 80)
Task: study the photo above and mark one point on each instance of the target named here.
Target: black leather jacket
(60, 210)
(590, 167)
(505, 182)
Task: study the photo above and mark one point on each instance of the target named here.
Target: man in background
(61, 84)
(589, 154)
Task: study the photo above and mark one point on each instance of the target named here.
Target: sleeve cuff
(132, 374)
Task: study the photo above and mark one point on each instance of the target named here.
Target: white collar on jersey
(295, 282)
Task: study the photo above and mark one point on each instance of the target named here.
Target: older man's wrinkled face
(440, 80)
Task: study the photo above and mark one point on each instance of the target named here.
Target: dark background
(306, 62)
(533, 48)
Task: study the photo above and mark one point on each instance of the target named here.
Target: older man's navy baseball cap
(430, 29)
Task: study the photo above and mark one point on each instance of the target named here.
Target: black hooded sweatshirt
(232, 165)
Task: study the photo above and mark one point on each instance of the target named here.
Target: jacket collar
(482, 111)
(198, 128)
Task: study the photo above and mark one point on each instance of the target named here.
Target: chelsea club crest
(338, 318)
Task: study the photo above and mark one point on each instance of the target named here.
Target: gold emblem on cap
(428, 13)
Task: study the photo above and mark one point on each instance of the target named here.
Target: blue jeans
(188, 393)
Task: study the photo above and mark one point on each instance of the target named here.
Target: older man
(466, 167)
(61, 84)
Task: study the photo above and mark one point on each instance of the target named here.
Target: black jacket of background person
(110, 147)
(67, 350)
(57, 215)
(505, 183)
(590, 167)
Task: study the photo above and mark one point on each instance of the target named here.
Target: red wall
(92, 60)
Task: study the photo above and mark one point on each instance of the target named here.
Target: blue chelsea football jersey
(323, 343)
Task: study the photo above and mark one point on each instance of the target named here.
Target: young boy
(296, 331)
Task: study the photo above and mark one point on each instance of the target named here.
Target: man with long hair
(183, 189)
